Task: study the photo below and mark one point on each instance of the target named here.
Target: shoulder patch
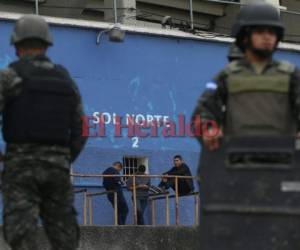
(211, 85)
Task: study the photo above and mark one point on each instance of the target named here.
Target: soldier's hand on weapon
(211, 138)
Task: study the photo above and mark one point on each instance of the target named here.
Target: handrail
(152, 199)
(158, 196)
(130, 175)
(89, 204)
(161, 196)
(99, 193)
(80, 190)
(84, 191)
(167, 196)
(134, 188)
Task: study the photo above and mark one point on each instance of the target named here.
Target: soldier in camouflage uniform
(42, 111)
(242, 207)
(256, 94)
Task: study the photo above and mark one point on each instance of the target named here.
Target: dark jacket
(185, 186)
(112, 183)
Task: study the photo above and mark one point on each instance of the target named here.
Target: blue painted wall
(146, 75)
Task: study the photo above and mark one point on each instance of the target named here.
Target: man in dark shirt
(115, 184)
(185, 186)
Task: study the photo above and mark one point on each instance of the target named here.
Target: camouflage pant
(34, 189)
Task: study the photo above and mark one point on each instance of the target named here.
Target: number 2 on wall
(135, 142)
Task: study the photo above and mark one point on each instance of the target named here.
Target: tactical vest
(259, 104)
(42, 112)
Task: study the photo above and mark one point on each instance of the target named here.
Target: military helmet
(234, 53)
(31, 27)
(261, 14)
(236, 28)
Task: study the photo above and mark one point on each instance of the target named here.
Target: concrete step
(130, 238)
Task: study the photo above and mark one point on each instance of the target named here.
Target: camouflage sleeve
(77, 140)
(210, 105)
(295, 96)
(10, 86)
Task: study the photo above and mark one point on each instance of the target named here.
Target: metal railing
(88, 197)
(84, 212)
(167, 198)
(89, 205)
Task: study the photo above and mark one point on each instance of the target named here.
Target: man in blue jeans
(142, 192)
(115, 184)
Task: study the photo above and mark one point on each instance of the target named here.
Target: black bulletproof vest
(42, 112)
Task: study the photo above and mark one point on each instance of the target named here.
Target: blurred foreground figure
(42, 111)
(249, 167)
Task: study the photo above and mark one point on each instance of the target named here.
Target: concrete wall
(130, 237)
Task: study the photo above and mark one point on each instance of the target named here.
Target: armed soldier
(252, 97)
(42, 111)
(255, 95)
